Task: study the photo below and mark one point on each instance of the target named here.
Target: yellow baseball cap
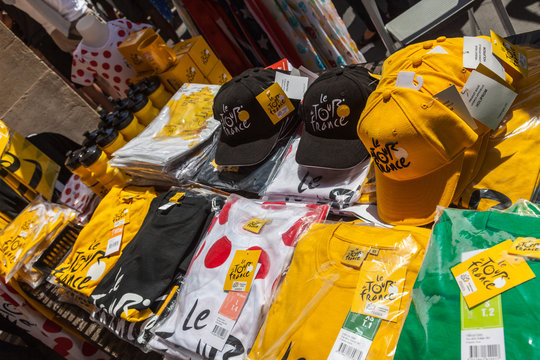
(418, 146)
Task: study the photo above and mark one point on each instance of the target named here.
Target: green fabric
(432, 328)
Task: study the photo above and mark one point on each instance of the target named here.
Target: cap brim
(314, 151)
(414, 202)
(247, 154)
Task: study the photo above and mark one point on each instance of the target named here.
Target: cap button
(417, 61)
(428, 44)
(386, 95)
(340, 71)
(441, 38)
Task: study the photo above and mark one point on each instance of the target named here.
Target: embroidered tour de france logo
(234, 120)
(388, 157)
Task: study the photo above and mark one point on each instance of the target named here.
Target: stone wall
(33, 98)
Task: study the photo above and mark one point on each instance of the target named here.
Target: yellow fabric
(30, 231)
(317, 292)
(87, 264)
(415, 120)
(511, 168)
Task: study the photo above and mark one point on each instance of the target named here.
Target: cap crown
(409, 135)
(333, 103)
(242, 118)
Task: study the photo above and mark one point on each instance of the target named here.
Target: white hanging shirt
(202, 294)
(106, 61)
(70, 10)
(294, 182)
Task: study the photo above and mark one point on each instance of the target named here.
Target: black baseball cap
(247, 133)
(330, 111)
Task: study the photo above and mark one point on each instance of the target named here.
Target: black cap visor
(247, 154)
(314, 151)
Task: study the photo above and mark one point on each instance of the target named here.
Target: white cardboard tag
(438, 50)
(309, 74)
(487, 100)
(405, 79)
(451, 98)
(293, 86)
(478, 51)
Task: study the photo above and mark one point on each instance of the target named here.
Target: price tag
(478, 51)
(115, 240)
(482, 332)
(528, 247)
(490, 273)
(355, 337)
(514, 61)
(294, 86)
(275, 103)
(255, 225)
(226, 318)
(242, 270)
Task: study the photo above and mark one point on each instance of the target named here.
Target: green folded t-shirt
(432, 329)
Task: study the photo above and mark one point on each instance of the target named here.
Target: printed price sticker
(490, 273)
(528, 247)
(229, 312)
(115, 241)
(514, 61)
(255, 225)
(275, 103)
(355, 337)
(355, 255)
(242, 270)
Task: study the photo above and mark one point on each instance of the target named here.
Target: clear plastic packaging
(148, 155)
(345, 295)
(250, 180)
(440, 325)
(294, 182)
(510, 170)
(202, 295)
(28, 235)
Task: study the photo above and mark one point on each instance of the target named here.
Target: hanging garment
(106, 61)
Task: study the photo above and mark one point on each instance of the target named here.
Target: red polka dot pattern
(106, 66)
(116, 79)
(121, 33)
(107, 54)
(118, 68)
(218, 253)
(264, 260)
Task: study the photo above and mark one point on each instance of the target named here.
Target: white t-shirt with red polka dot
(106, 61)
(182, 334)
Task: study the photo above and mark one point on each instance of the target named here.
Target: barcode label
(349, 346)
(485, 352)
(282, 112)
(219, 332)
(349, 352)
(221, 329)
